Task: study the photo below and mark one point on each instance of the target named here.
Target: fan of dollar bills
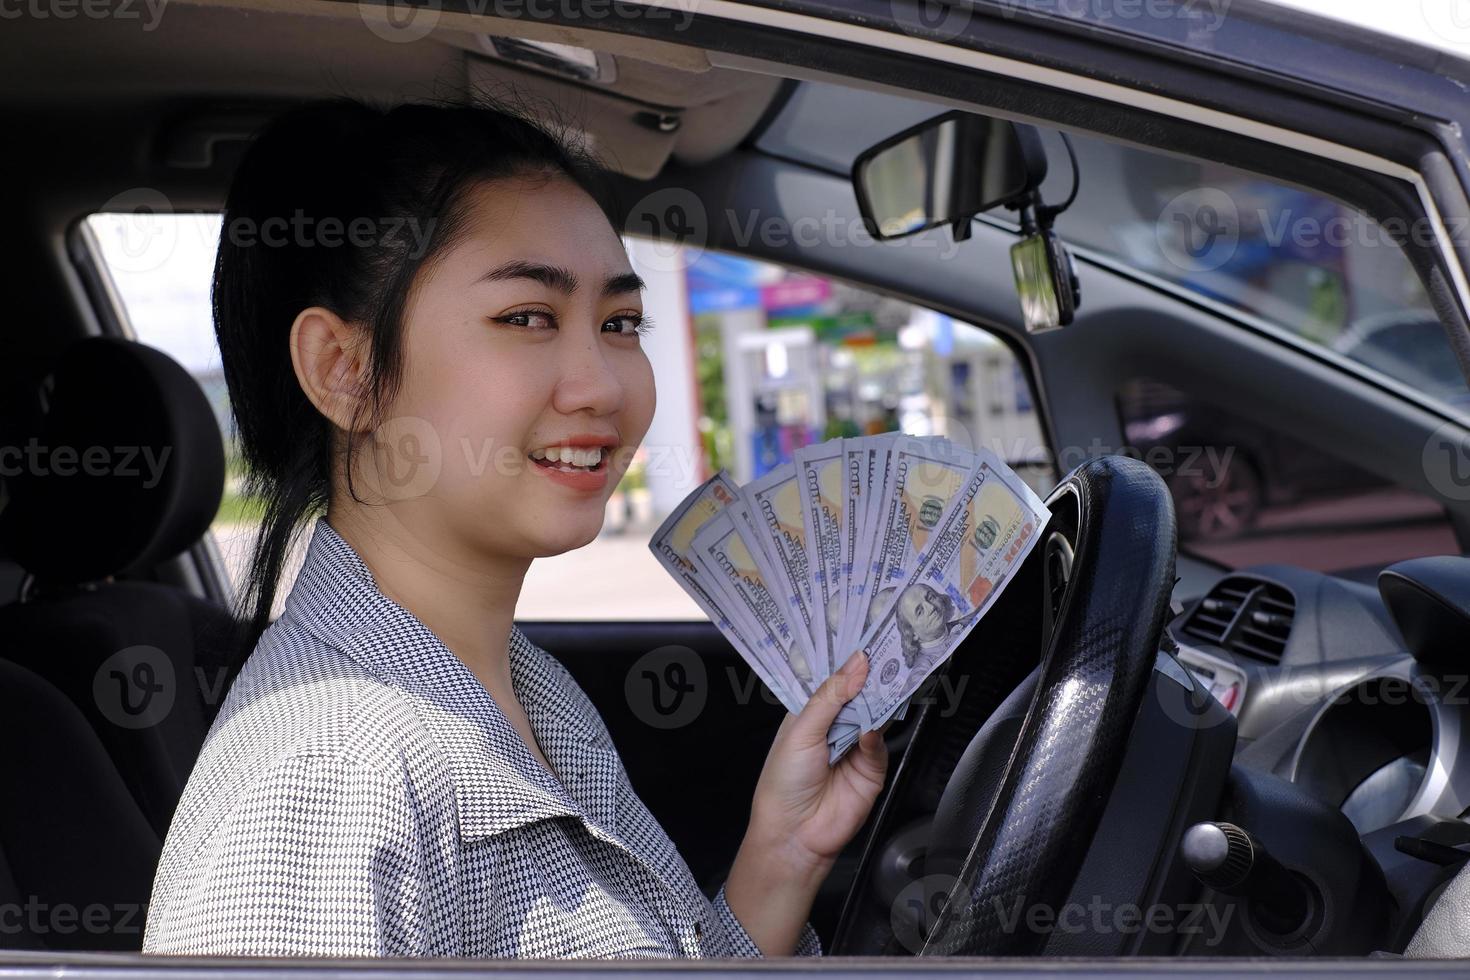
(892, 544)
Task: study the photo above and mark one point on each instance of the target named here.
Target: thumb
(826, 701)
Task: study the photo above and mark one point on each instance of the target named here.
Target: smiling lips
(569, 456)
(579, 463)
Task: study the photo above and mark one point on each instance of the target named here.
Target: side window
(161, 266)
(752, 362)
(1246, 494)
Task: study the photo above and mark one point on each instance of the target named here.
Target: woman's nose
(588, 381)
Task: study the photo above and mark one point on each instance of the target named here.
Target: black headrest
(125, 467)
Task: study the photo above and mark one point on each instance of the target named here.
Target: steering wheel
(1017, 813)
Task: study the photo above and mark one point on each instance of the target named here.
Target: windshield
(1321, 271)
(1312, 268)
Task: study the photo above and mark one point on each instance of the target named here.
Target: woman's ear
(329, 356)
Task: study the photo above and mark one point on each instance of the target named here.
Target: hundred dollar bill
(787, 662)
(775, 507)
(919, 489)
(819, 471)
(864, 462)
(994, 524)
(673, 545)
(727, 555)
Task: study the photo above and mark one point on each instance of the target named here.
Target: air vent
(1211, 619)
(1246, 616)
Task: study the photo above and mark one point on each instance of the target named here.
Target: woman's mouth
(570, 459)
(579, 468)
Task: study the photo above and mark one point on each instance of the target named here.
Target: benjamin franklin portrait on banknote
(926, 622)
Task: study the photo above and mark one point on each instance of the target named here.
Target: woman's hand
(810, 809)
(803, 815)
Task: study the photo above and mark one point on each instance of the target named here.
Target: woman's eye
(530, 319)
(628, 324)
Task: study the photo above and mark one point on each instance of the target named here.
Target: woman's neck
(466, 598)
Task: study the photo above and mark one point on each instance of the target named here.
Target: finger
(871, 756)
(826, 701)
(868, 760)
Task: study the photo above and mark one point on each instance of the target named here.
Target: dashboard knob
(1229, 860)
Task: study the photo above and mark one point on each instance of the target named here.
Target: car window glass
(1246, 494)
(1311, 268)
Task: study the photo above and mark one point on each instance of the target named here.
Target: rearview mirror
(952, 167)
(945, 170)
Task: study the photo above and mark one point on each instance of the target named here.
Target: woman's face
(525, 386)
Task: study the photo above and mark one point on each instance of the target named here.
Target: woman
(396, 770)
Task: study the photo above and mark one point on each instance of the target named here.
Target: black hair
(344, 205)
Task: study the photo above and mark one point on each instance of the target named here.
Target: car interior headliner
(666, 101)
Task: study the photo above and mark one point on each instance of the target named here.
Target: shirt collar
(499, 784)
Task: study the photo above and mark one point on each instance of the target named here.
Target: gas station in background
(804, 363)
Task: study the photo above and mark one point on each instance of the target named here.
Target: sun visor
(628, 136)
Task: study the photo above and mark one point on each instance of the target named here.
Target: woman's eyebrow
(551, 276)
(627, 282)
(561, 279)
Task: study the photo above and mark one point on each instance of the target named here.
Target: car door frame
(786, 30)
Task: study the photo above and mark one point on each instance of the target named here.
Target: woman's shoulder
(298, 698)
(303, 695)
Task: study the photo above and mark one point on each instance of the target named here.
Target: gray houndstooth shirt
(360, 794)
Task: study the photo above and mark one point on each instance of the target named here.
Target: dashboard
(1326, 690)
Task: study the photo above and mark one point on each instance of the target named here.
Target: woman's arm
(803, 814)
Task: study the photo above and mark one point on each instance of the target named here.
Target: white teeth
(584, 458)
